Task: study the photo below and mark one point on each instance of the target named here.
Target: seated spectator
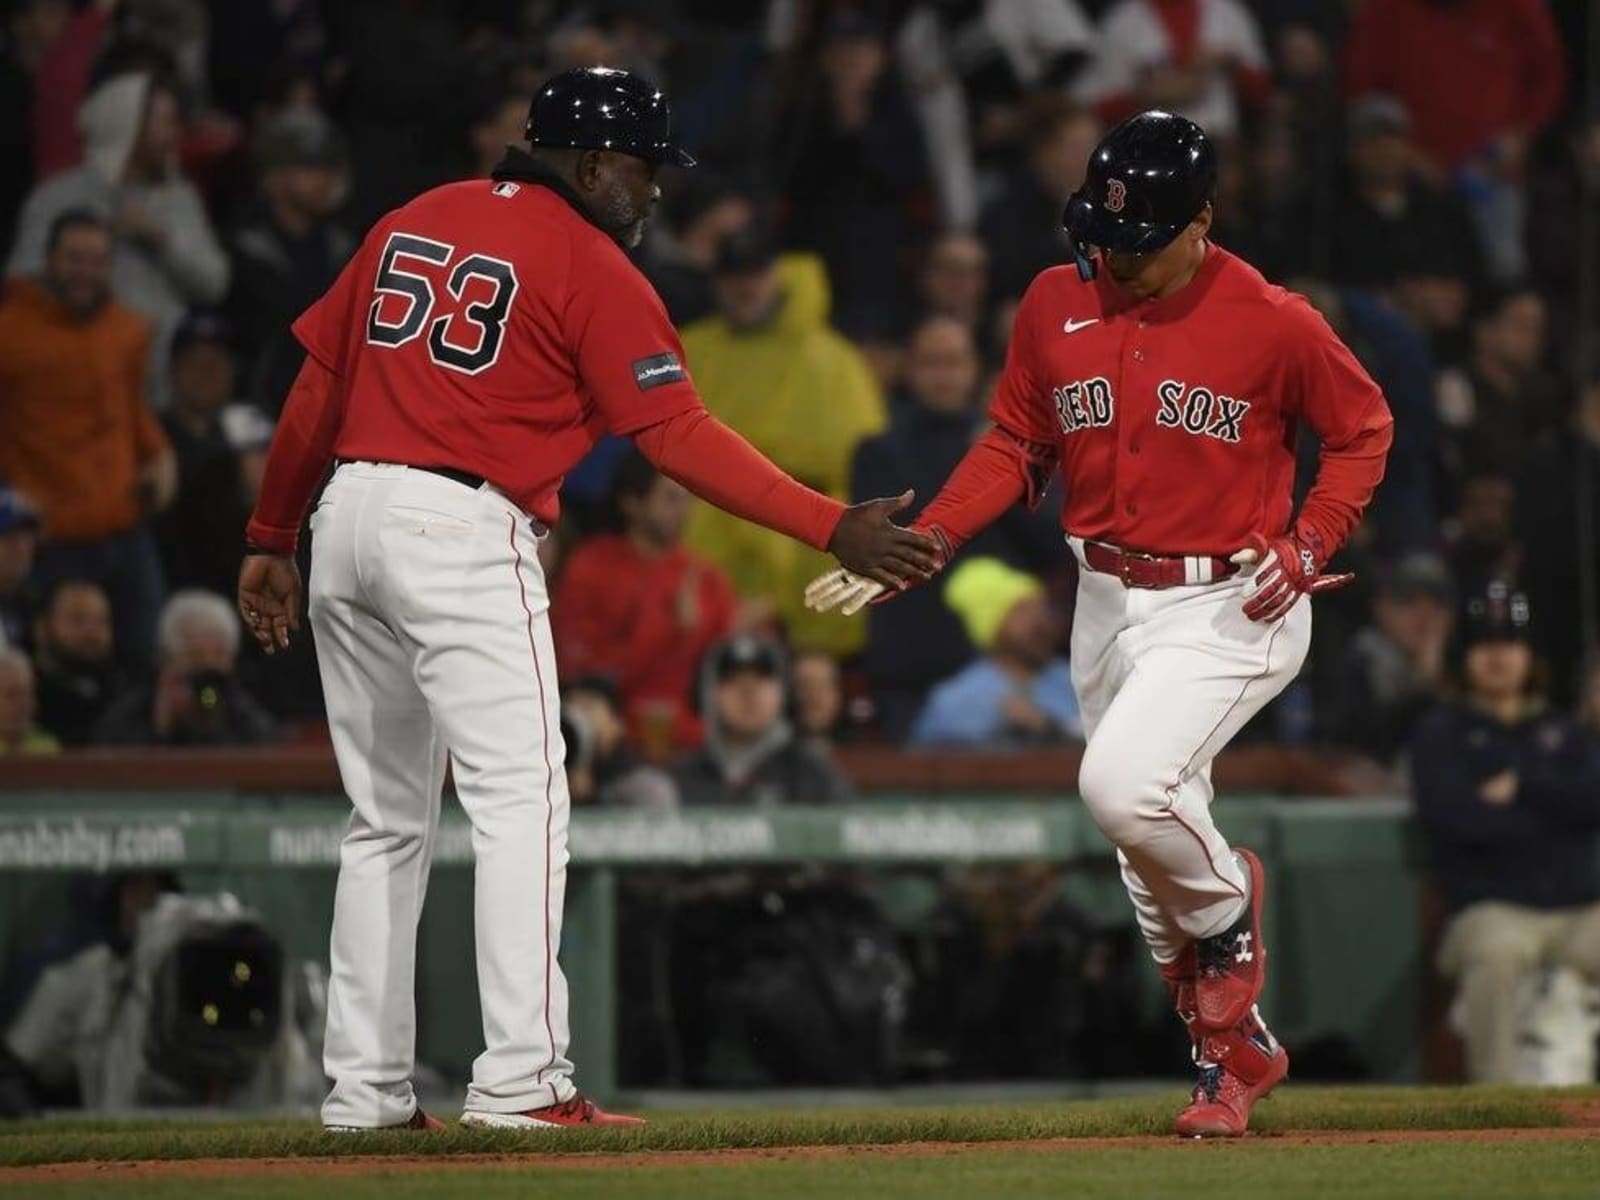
(196, 699)
(1021, 225)
(19, 734)
(73, 655)
(1203, 59)
(703, 212)
(1562, 198)
(1394, 669)
(1482, 544)
(166, 256)
(288, 249)
(76, 437)
(496, 122)
(1388, 222)
(954, 283)
(1508, 797)
(1492, 409)
(601, 770)
(819, 703)
(753, 755)
(19, 539)
(769, 366)
(1019, 690)
(220, 448)
(641, 610)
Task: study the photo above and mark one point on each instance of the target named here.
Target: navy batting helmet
(602, 108)
(1147, 179)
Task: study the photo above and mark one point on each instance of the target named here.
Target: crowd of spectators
(879, 184)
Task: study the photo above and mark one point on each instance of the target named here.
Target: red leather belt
(1155, 571)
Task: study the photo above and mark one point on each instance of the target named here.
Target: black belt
(464, 478)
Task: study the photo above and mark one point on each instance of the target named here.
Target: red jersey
(490, 327)
(1175, 418)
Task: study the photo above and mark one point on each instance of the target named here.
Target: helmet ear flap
(1074, 221)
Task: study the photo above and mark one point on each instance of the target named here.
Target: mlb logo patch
(1116, 195)
(506, 190)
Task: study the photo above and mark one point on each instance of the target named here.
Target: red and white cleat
(1237, 1068)
(579, 1110)
(418, 1121)
(1231, 967)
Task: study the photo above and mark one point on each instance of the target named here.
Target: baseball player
(476, 346)
(1166, 379)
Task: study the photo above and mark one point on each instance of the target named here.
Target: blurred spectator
(1492, 409)
(1563, 194)
(769, 366)
(289, 248)
(641, 610)
(18, 732)
(1394, 669)
(221, 450)
(19, 539)
(1508, 797)
(166, 256)
(600, 768)
(61, 42)
(196, 699)
(73, 656)
(954, 283)
(1021, 226)
(261, 50)
(75, 434)
(1481, 77)
(1018, 691)
(1483, 545)
(970, 68)
(1558, 514)
(853, 172)
(753, 755)
(703, 210)
(819, 709)
(1201, 58)
(1390, 224)
(496, 123)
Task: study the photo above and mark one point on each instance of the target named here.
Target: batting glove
(848, 593)
(1286, 568)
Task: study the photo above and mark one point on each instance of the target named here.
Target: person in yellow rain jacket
(769, 364)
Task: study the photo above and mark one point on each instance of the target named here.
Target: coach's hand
(269, 599)
(869, 544)
(1286, 568)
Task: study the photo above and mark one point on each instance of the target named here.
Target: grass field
(1357, 1144)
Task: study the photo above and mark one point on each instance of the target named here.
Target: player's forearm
(719, 466)
(301, 451)
(997, 472)
(1347, 477)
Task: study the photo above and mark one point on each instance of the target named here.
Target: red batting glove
(1289, 567)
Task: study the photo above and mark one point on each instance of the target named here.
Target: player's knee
(1117, 793)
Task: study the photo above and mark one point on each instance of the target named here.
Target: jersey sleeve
(1021, 406)
(332, 327)
(628, 353)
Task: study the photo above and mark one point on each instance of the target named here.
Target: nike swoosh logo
(1074, 326)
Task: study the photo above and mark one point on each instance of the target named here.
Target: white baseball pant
(433, 639)
(1165, 678)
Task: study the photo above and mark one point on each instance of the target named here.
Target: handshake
(878, 558)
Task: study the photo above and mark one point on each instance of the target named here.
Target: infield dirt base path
(1587, 1113)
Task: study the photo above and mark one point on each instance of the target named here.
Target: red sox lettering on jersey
(1175, 418)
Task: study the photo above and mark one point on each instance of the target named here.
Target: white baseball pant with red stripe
(1165, 678)
(431, 619)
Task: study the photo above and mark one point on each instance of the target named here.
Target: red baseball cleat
(1231, 967)
(1237, 1068)
(418, 1120)
(579, 1110)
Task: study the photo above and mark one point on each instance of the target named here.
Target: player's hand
(845, 591)
(269, 599)
(1285, 569)
(868, 543)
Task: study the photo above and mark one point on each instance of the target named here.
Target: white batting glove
(843, 590)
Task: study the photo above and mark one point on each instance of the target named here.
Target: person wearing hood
(1018, 692)
(167, 256)
(752, 754)
(769, 364)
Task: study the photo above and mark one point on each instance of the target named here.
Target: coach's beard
(624, 219)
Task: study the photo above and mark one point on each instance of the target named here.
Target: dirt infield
(1586, 1113)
